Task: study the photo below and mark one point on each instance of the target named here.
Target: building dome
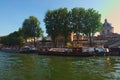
(106, 24)
(107, 28)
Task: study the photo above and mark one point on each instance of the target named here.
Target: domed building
(107, 29)
(107, 33)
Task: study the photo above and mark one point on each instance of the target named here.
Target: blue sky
(13, 12)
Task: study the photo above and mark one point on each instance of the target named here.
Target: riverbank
(74, 54)
(58, 53)
(86, 54)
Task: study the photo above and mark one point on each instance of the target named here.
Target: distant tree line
(30, 29)
(81, 21)
(13, 39)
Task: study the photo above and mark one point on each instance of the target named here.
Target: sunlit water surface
(37, 67)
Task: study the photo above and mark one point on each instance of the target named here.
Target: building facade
(107, 28)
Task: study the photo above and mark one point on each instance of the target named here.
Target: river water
(36, 67)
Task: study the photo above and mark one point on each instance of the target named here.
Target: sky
(14, 12)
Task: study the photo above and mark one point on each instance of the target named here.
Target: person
(95, 51)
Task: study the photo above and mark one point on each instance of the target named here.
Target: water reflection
(36, 67)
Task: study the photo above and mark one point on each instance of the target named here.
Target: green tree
(76, 19)
(50, 22)
(20, 32)
(4, 40)
(79, 20)
(63, 23)
(91, 23)
(31, 28)
(13, 39)
(57, 23)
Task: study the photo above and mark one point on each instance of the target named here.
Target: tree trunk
(90, 41)
(77, 38)
(65, 41)
(55, 43)
(25, 40)
(77, 35)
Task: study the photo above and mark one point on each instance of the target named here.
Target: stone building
(107, 28)
(107, 33)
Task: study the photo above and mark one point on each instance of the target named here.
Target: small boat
(28, 50)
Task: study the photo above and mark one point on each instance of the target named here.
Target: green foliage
(57, 23)
(77, 15)
(79, 20)
(13, 39)
(68, 45)
(50, 22)
(31, 28)
(91, 22)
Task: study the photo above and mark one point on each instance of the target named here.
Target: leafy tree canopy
(79, 20)
(31, 28)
